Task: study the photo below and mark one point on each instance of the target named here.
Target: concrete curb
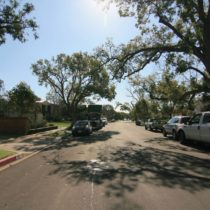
(15, 159)
(10, 159)
(21, 157)
(18, 158)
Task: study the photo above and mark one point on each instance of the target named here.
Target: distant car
(173, 126)
(148, 124)
(81, 127)
(138, 122)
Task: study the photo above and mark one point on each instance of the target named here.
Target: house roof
(44, 102)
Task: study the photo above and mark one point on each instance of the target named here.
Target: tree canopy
(141, 110)
(74, 78)
(164, 95)
(21, 98)
(1, 87)
(172, 32)
(14, 20)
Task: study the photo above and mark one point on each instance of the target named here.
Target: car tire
(174, 135)
(145, 127)
(164, 133)
(182, 137)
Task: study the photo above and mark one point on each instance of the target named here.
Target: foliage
(54, 98)
(22, 98)
(61, 124)
(125, 107)
(205, 102)
(1, 87)
(3, 99)
(109, 112)
(14, 20)
(174, 33)
(74, 78)
(141, 110)
(162, 96)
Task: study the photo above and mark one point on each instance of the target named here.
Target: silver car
(173, 126)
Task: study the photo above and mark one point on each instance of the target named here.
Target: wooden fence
(14, 125)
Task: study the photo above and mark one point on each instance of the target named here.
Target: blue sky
(65, 26)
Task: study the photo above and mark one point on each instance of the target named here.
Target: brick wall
(15, 125)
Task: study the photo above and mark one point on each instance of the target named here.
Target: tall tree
(166, 96)
(14, 20)
(22, 99)
(172, 32)
(108, 111)
(3, 101)
(1, 87)
(141, 110)
(74, 78)
(124, 107)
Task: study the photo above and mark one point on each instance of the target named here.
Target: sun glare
(97, 9)
(95, 5)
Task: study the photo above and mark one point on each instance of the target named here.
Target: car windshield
(173, 120)
(81, 123)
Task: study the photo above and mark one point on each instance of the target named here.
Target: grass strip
(64, 124)
(5, 153)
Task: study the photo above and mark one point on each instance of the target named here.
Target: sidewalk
(27, 145)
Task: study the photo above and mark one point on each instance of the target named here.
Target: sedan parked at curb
(81, 127)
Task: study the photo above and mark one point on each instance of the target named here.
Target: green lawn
(63, 124)
(5, 153)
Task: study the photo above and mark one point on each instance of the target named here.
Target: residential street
(122, 166)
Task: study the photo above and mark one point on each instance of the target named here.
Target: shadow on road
(125, 168)
(58, 143)
(189, 146)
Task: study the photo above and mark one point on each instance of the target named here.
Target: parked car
(158, 124)
(148, 124)
(198, 128)
(96, 123)
(174, 125)
(81, 127)
(138, 122)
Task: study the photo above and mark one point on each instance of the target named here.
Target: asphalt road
(120, 167)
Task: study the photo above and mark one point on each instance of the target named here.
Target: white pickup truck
(198, 128)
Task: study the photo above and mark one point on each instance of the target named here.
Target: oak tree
(172, 32)
(74, 78)
(22, 99)
(14, 20)
(165, 95)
